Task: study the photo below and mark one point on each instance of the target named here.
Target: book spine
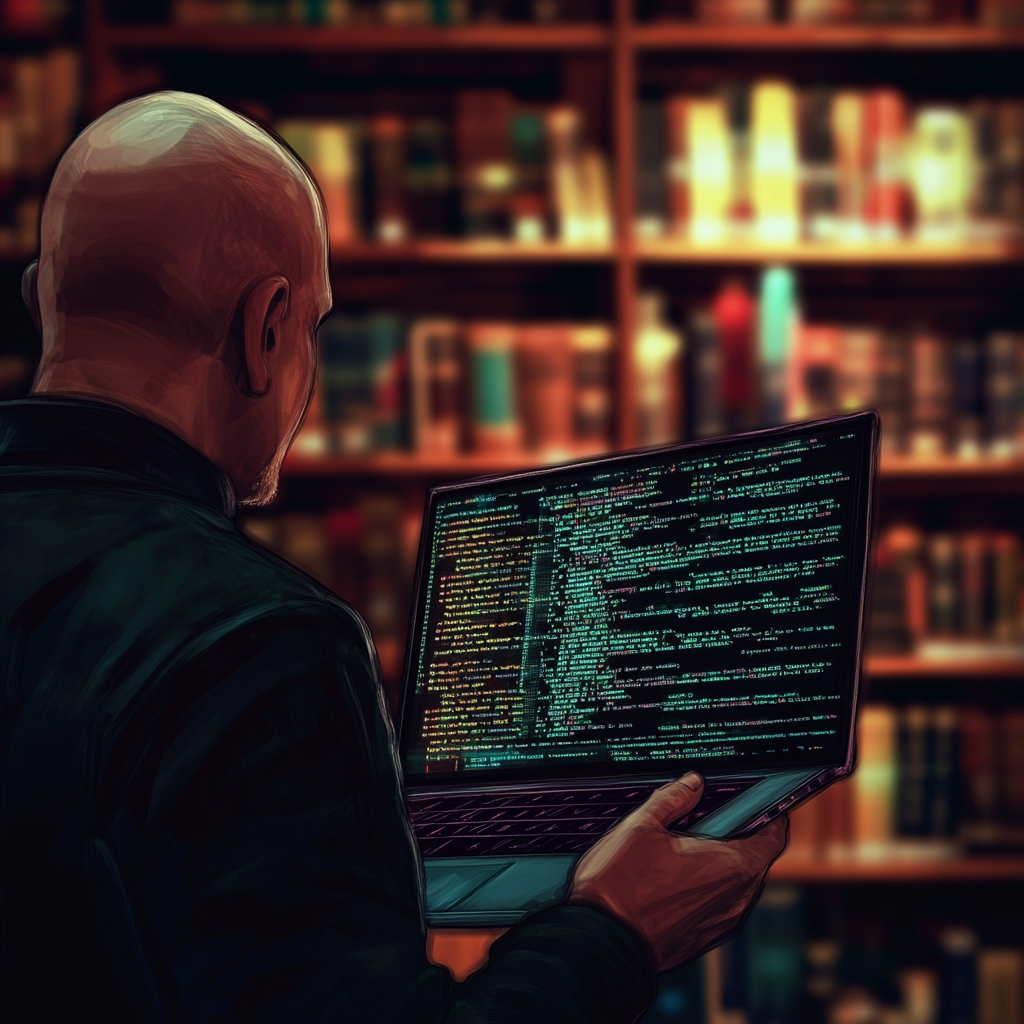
(704, 376)
(651, 176)
(968, 398)
(979, 777)
(1004, 372)
(387, 179)
(912, 774)
(944, 585)
(874, 781)
(1000, 986)
(545, 389)
(930, 395)
(944, 751)
(592, 399)
(494, 424)
(774, 163)
(437, 386)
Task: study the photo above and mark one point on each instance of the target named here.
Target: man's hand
(682, 894)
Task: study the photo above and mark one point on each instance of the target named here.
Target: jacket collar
(46, 435)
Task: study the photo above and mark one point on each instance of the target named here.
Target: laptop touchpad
(447, 884)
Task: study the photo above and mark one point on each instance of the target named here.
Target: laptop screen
(698, 604)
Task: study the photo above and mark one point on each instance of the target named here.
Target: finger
(673, 800)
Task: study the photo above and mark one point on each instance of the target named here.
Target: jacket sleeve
(263, 845)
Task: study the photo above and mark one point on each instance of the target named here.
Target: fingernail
(691, 780)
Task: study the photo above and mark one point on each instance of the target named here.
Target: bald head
(161, 213)
(177, 238)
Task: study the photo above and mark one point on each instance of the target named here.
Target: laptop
(582, 634)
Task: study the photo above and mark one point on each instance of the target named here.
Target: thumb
(673, 800)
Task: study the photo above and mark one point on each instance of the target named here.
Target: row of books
(748, 358)
(784, 968)
(40, 98)
(499, 170)
(935, 591)
(931, 782)
(455, 12)
(1003, 13)
(440, 387)
(769, 161)
(376, 12)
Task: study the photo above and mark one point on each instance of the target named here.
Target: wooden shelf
(960, 869)
(915, 667)
(944, 38)
(472, 250)
(349, 38)
(867, 253)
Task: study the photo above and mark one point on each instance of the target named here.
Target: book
(389, 220)
(530, 164)
(483, 153)
(774, 173)
(704, 377)
(545, 389)
(944, 585)
(1010, 148)
(885, 131)
(1004, 388)
(429, 197)
(814, 372)
(658, 356)
(710, 170)
(437, 386)
(913, 786)
(1000, 974)
(774, 935)
(849, 131)
(592, 399)
(943, 762)
(875, 782)
(734, 312)
(651, 172)
(568, 197)
(495, 425)
(958, 998)
(859, 369)
(1006, 586)
(777, 326)
(931, 387)
(820, 193)
(968, 398)
(979, 777)
(974, 583)
(597, 200)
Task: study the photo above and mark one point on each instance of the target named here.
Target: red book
(886, 126)
(734, 315)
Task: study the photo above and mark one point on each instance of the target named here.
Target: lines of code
(685, 609)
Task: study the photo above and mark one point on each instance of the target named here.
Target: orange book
(545, 379)
(836, 812)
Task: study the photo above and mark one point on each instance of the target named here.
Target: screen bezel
(862, 522)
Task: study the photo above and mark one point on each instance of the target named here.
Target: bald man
(201, 815)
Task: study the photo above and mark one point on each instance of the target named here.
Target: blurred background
(562, 227)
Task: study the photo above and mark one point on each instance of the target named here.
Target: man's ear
(30, 293)
(265, 307)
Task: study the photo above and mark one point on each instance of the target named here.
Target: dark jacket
(201, 812)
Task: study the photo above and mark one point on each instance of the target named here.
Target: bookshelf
(606, 66)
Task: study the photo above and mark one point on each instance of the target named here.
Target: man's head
(182, 273)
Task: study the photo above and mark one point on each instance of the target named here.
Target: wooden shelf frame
(625, 43)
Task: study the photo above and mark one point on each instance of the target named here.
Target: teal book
(774, 937)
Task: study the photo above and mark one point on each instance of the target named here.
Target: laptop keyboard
(540, 821)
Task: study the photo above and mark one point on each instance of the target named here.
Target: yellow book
(774, 163)
(875, 782)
